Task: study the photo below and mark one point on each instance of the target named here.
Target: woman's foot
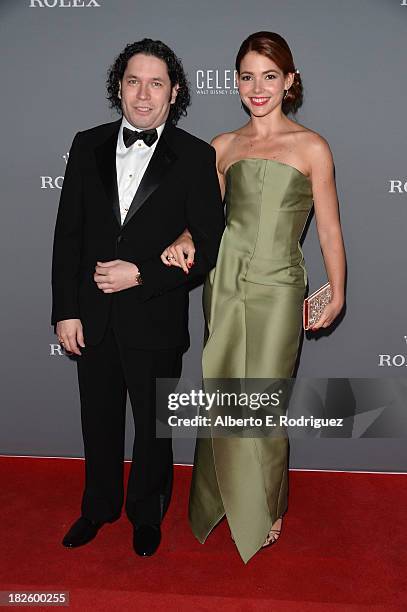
(274, 533)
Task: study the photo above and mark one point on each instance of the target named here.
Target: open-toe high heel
(272, 536)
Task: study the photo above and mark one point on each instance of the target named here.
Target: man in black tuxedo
(131, 187)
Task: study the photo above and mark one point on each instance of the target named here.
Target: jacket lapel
(160, 163)
(106, 162)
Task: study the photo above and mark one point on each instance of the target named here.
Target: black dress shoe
(81, 532)
(146, 539)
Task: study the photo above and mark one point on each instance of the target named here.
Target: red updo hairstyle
(274, 47)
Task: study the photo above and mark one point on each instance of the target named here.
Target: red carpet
(343, 548)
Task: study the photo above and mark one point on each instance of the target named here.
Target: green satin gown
(253, 311)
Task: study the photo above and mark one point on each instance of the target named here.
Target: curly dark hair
(175, 71)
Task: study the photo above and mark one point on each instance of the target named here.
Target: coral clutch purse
(314, 304)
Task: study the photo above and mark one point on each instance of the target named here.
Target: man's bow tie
(131, 136)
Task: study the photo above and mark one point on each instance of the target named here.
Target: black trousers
(106, 372)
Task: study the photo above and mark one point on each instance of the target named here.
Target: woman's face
(261, 83)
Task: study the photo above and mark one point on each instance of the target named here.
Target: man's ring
(170, 257)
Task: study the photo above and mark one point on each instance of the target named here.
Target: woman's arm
(220, 144)
(328, 226)
(182, 251)
(204, 219)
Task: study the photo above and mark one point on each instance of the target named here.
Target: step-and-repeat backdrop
(54, 57)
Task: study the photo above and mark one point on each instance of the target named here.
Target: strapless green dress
(253, 311)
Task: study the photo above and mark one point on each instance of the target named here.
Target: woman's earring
(285, 94)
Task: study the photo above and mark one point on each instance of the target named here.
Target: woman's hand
(180, 253)
(329, 314)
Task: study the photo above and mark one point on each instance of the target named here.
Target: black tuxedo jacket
(179, 189)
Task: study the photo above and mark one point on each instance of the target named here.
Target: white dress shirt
(131, 164)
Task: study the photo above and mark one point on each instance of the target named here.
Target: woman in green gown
(271, 172)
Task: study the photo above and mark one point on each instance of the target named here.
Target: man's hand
(70, 334)
(116, 275)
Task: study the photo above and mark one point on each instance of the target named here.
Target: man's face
(146, 91)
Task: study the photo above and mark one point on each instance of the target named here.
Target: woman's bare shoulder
(224, 144)
(310, 139)
(223, 141)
